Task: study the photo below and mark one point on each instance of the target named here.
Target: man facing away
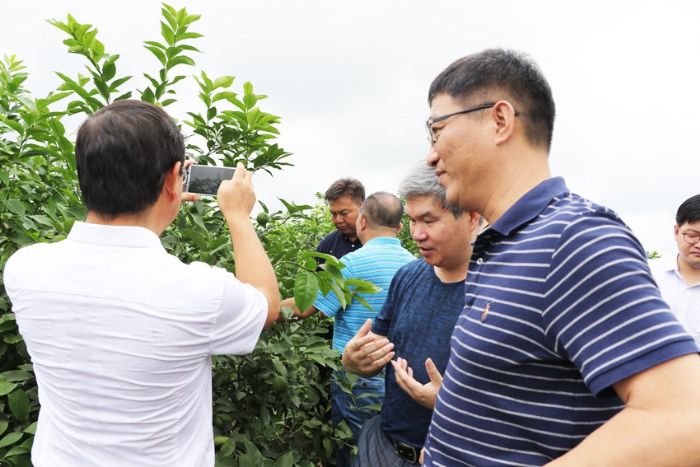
(120, 332)
(565, 352)
(377, 261)
(679, 278)
(344, 198)
(425, 298)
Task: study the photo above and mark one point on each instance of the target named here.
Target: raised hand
(424, 394)
(367, 353)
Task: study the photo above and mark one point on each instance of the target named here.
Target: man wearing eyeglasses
(564, 353)
(679, 276)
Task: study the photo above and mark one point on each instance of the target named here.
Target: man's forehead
(695, 225)
(421, 206)
(344, 202)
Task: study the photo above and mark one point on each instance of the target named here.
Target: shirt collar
(530, 205)
(385, 240)
(110, 235)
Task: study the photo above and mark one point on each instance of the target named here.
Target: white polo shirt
(683, 300)
(120, 334)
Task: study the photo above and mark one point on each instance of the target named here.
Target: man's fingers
(189, 197)
(433, 372)
(367, 340)
(240, 172)
(365, 328)
(378, 350)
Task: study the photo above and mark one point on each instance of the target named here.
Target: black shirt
(337, 244)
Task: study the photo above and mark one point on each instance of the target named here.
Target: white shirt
(120, 334)
(683, 300)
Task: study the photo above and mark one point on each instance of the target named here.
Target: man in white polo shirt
(120, 332)
(679, 276)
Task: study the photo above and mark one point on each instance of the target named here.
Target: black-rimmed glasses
(431, 121)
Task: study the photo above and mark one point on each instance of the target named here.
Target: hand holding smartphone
(205, 179)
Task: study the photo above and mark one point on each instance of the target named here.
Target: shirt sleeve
(382, 322)
(602, 307)
(241, 317)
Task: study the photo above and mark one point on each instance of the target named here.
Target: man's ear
(503, 115)
(399, 228)
(173, 179)
(676, 228)
(361, 221)
(474, 224)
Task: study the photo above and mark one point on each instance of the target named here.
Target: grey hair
(422, 181)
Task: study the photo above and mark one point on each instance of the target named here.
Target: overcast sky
(350, 80)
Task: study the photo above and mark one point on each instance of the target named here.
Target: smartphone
(205, 179)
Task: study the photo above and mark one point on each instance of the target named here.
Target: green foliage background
(270, 407)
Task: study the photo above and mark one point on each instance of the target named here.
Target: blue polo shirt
(377, 262)
(559, 306)
(418, 317)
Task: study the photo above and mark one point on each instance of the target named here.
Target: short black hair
(346, 187)
(499, 71)
(688, 211)
(123, 153)
(382, 209)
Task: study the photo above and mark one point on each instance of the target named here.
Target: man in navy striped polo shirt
(565, 352)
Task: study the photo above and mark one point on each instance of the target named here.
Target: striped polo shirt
(376, 262)
(559, 306)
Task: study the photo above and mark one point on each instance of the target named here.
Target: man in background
(120, 333)
(381, 255)
(344, 198)
(425, 298)
(679, 276)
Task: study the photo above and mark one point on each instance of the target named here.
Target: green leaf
(118, 82)
(3, 426)
(223, 82)
(223, 95)
(19, 404)
(6, 387)
(108, 71)
(160, 55)
(286, 460)
(10, 438)
(167, 33)
(148, 96)
(305, 289)
(16, 206)
(15, 376)
(31, 429)
(180, 60)
(17, 451)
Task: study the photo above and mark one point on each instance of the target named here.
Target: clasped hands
(367, 353)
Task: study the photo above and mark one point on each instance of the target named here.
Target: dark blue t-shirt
(418, 317)
(337, 244)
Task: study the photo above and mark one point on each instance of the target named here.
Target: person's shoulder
(416, 268)
(575, 217)
(30, 255)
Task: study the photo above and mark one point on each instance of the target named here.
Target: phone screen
(205, 179)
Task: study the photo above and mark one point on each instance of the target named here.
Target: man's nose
(419, 234)
(432, 157)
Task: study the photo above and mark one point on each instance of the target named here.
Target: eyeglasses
(431, 121)
(691, 238)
